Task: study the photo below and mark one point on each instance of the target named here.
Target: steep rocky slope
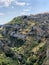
(23, 40)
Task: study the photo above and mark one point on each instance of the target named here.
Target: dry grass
(35, 49)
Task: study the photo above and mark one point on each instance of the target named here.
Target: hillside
(23, 40)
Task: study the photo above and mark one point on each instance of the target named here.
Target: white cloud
(24, 13)
(1, 14)
(26, 10)
(28, 4)
(12, 6)
(7, 3)
(20, 3)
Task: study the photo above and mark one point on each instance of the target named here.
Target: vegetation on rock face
(23, 40)
(16, 20)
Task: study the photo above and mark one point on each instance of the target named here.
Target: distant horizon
(26, 15)
(13, 8)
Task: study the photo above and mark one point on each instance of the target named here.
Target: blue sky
(12, 8)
